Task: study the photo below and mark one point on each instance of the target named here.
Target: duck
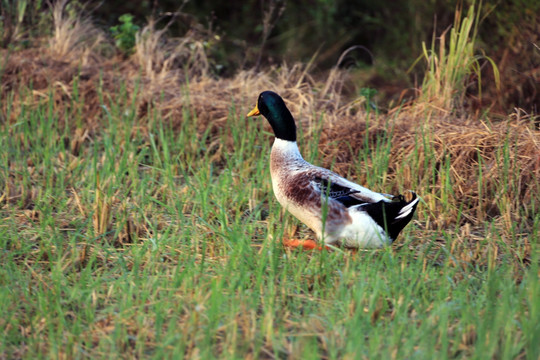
(340, 212)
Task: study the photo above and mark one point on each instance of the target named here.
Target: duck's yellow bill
(254, 112)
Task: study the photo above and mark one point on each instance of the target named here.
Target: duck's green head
(273, 108)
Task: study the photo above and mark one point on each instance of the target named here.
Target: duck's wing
(348, 193)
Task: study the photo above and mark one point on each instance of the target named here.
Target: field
(137, 218)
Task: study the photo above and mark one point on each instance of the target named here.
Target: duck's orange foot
(307, 244)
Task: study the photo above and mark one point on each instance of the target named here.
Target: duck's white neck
(287, 149)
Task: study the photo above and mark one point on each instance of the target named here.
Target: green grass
(141, 241)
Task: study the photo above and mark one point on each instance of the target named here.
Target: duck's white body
(297, 187)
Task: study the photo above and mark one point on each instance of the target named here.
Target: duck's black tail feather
(393, 216)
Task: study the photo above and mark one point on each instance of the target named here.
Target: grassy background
(137, 217)
(146, 246)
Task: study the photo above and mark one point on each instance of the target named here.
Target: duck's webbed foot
(307, 244)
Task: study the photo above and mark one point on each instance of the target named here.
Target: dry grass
(471, 146)
(74, 37)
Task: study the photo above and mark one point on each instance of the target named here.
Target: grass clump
(74, 36)
(448, 70)
(13, 14)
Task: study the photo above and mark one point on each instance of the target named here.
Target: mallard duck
(340, 212)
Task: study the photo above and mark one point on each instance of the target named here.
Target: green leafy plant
(369, 94)
(124, 34)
